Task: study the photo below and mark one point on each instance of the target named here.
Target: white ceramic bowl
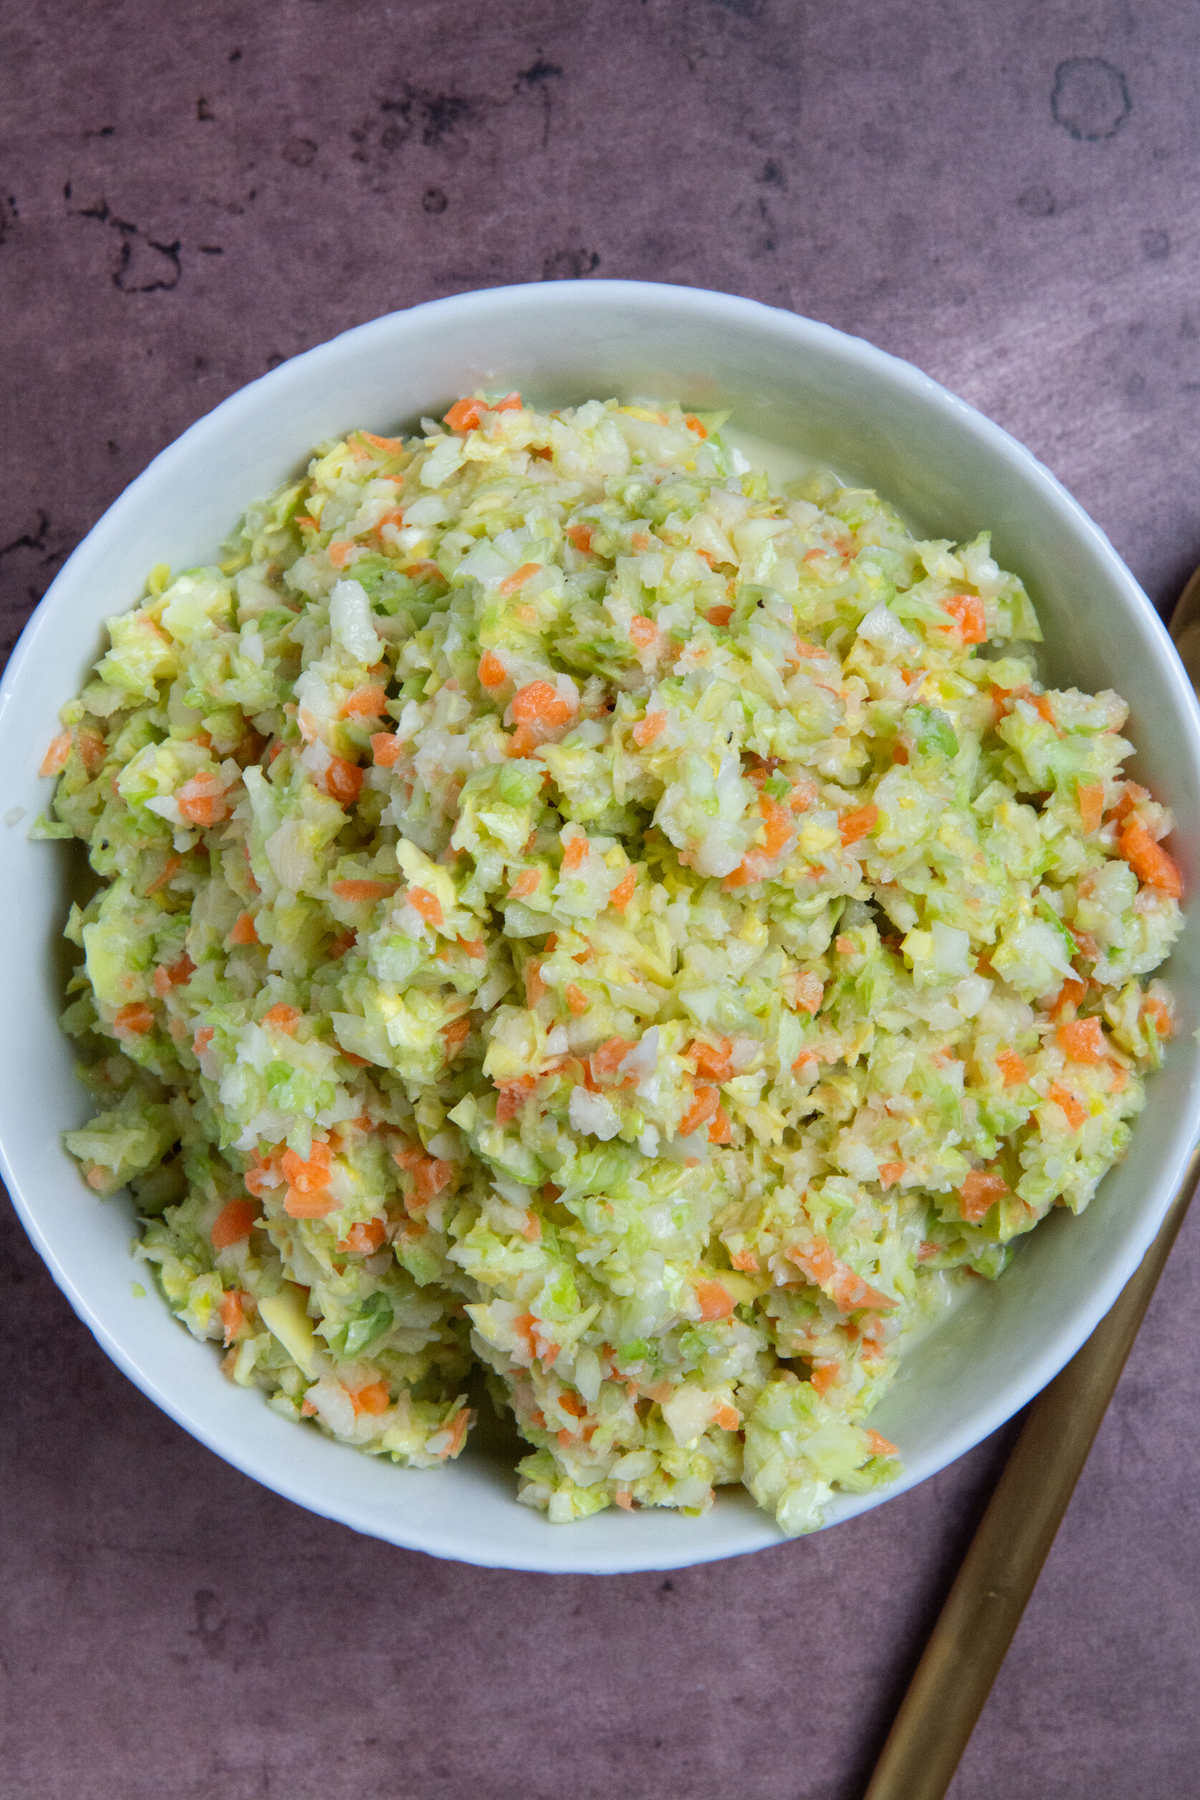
(877, 421)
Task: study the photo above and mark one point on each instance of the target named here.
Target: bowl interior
(804, 387)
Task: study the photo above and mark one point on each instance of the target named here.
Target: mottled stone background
(190, 193)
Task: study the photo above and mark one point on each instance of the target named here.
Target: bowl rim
(240, 408)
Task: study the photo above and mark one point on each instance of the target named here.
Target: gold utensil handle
(984, 1607)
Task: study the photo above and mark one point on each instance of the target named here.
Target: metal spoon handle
(984, 1607)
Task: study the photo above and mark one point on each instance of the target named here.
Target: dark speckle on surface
(1005, 196)
(299, 151)
(1037, 201)
(1090, 98)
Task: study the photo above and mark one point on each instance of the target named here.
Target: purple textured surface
(189, 194)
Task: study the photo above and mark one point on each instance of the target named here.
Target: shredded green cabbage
(566, 907)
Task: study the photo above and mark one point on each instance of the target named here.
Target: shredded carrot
(642, 631)
(455, 1035)
(492, 673)
(716, 1302)
(878, 1445)
(719, 615)
(541, 704)
(890, 1173)
(169, 975)
(720, 1131)
(283, 1018)
(1076, 1112)
(1157, 1010)
(535, 987)
(55, 759)
(232, 1314)
(366, 702)
(967, 612)
(1090, 795)
(777, 822)
(851, 1292)
(524, 741)
(308, 1181)
(1011, 1068)
(427, 905)
(202, 1040)
(527, 882)
(343, 781)
(857, 824)
(624, 1499)
(340, 553)
(1149, 861)
(608, 1058)
(622, 894)
(1131, 795)
(432, 1175)
(357, 892)
(374, 1398)
(518, 578)
(134, 1021)
(848, 1289)
(576, 852)
(233, 1223)
(244, 931)
(512, 1096)
(704, 1105)
(1082, 1040)
(465, 414)
(808, 990)
(390, 446)
(1070, 993)
(202, 800)
(727, 1417)
(171, 868)
(647, 729)
(712, 1060)
(363, 1239)
(980, 1190)
(824, 1375)
(581, 536)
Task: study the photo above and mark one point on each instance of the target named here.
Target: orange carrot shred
(1090, 795)
(1149, 861)
(716, 1302)
(55, 759)
(622, 894)
(427, 905)
(967, 612)
(1082, 1040)
(233, 1223)
(244, 931)
(647, 729)
(857, 824)
(134, 1020)
(981, 1188)
(1071, 1105)
(1011, 1068)
(283, 1018)
(357, 892)
(518, 578)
